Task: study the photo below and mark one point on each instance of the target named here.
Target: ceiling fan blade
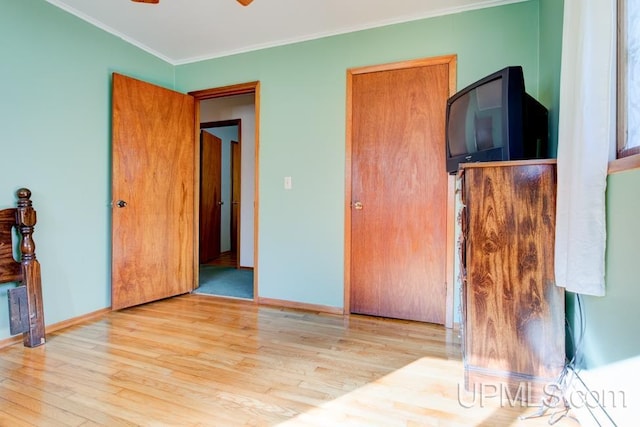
(245, 2)
(147, 1)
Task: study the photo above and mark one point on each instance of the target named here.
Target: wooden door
(235, 199)
(398, 246)
(210, 196)
(153, 191)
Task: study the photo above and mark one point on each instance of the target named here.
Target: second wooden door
(210, 196)
(399, 190)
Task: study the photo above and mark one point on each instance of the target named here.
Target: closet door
(398, 233)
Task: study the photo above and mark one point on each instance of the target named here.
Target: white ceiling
(182, 31)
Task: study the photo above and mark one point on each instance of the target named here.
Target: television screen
(494, 119)
(476, 120)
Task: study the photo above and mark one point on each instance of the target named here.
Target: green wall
(612, 326)
(55, 139)
(551, 13)
(302, 128)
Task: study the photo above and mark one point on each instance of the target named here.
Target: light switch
(288, 185)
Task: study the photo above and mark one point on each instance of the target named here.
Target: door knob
(357, 205)
(121, 203)
(220, 203)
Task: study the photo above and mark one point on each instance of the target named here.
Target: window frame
(626, 157)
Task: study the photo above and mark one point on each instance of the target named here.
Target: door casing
(220, 92)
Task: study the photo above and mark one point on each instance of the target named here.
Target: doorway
(231, 118)
(398, 230)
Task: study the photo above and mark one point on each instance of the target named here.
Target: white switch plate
(288, 185)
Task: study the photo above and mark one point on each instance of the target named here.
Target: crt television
(494, 119)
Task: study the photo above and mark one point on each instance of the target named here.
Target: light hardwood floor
(197, 360)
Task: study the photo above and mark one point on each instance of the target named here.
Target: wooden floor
(226, 259)
(203, 361)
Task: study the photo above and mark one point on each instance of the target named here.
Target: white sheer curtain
(586, 142)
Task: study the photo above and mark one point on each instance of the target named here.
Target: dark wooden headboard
(25, 300)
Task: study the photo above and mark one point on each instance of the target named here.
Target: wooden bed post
(26, 220)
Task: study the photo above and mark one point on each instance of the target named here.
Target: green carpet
(225, 281)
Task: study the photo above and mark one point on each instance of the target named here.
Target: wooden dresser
(513, 313)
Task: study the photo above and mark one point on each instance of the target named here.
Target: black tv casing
(525, 123)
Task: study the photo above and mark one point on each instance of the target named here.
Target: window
(628, 78)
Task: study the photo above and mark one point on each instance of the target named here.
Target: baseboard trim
(300, 305)
(77, 320)
(57, 326)
(10, 341)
